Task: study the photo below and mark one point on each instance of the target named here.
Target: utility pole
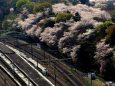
(91, 79)
(31, 50)
(16, 40)
(5, 81)
(37, 63)
(55, 72)
(44, 53)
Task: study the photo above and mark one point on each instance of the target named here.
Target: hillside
(82, 32)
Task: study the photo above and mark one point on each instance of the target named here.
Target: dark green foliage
(85, 56)
(1, 14)
(5, 6)
(30, 6)
(11, 16)
(0, 24)
(110, 70)
(74, 2)
(54, 1)
(8, 21)
(112, 13)
(77, 17)
(20, 3)
(48, 23)
(105, 24)
(84, 1)
(98, 19)
(113, 18)
(63, 17)
(111, 34)
(6, 24)
(101, 31)
(39, 7)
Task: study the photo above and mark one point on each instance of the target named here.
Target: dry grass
(96, 82)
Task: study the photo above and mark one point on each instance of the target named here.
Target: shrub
(98, 19)
(7, 25)
(113, 18)
(85, 56)
(11, 16)
(105, 24)
(53, 1)
(39, 7)
(77, 17)
(30, 6)
(74, 2)
(20, 3)
(101, 32)
(48, 23)
(8, 21)
(63, 17)
(111, 34)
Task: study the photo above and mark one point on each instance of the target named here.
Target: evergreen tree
(84, 1)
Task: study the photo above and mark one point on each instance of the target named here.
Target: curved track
(28, 70)
(5, 80)
(73, 79)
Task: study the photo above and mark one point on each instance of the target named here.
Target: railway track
(27, 69)
(8, 67)
(52, 78)
(73, 78)
(5, 80)
(75, 81)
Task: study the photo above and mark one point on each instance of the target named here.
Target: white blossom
(85, 11)
(50, 35)
(32, 30)
(67, 35)
(74, 52)
(102, 50)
